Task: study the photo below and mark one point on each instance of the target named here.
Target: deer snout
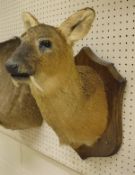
(11, 67)
(17, 69)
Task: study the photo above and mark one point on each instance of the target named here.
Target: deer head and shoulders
(45, 61)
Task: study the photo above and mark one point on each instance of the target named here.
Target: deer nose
(17, 69)
(12, 67)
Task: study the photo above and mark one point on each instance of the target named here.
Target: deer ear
(78, 25)
(29, 20)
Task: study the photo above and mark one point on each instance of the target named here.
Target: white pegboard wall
(112, 38)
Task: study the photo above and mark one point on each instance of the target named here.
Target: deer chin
(17, 81)
(35, 83)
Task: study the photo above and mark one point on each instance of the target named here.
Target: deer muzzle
(17, 69)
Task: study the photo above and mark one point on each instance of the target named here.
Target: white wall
(17, 159)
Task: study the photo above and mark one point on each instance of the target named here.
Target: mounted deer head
(45, 61)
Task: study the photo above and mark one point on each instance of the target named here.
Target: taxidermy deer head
(68, 101)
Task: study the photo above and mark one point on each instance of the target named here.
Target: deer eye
(44, 44)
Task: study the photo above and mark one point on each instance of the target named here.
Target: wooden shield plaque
(114, 84)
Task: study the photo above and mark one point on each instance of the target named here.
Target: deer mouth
(22, 76)
(19, 71)
(18, 79)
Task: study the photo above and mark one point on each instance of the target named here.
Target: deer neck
(62, 94)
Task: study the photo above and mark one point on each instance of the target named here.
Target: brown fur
(72, 102)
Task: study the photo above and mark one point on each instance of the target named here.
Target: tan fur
(73, 100)
(82, 17)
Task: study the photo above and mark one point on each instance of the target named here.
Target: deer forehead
(44, 31)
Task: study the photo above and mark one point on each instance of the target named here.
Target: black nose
(11, 67)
